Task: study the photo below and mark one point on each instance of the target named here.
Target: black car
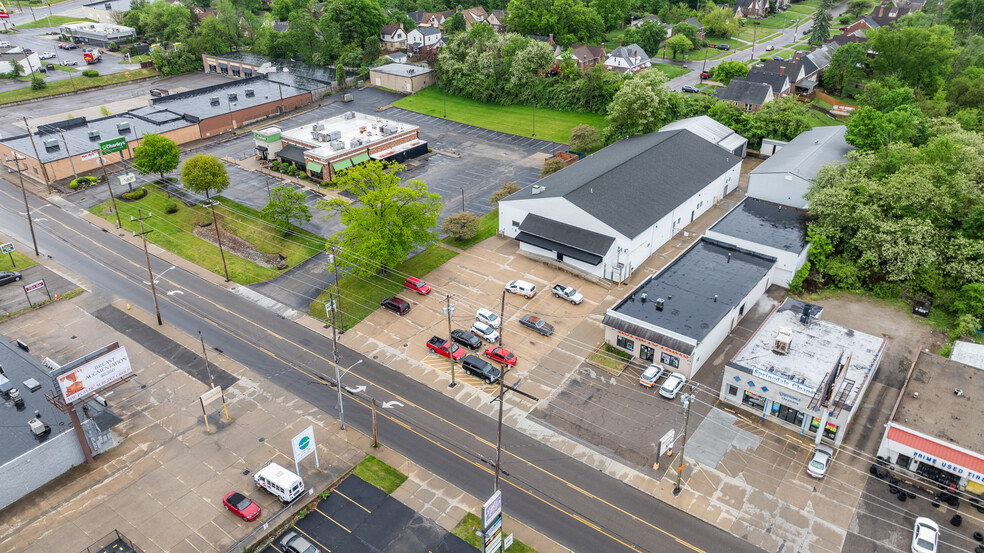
(397, 305)
(480, 368)
(690, 89)
(466, 338)
(724, 47)
(6, 277)
(537, 324)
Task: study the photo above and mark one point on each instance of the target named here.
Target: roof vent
(250, 93)
(805, 316)
(123, 128)
(350, 115)
(51, 144)
(715, 298)
(337, 145)
(783, 339)
(537, 189)
(233, 97)
(93, 135)
(659, 304)
(213, 101)
(643, 297)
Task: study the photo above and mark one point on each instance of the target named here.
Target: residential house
(498, 20)
(627, 59)
(393, 37)
(418, 17)
(787, 176)
(638, 22)
(751, 8)
(29, 63)
(700, 26)
(474, 16)
(280, 26)
(835, 42)
(747, 95)
(857, 29)
(608, 213)
(885, 15)
(586, 56)
(791, 68)
(440, 18)
(398, 57)
(202, 13)
(424, 39)
(778, 82)
(813, 63)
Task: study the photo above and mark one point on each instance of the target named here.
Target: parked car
(240, 505)
(705, 74)
(480, 368)
(47, 55)
(807, 31)
(690, 89)
(28, 51)
(777, 58)
(466, 338)
(770, 48)
(651, 375)
(397, 305)
(501, 355)
(537, 324)
(844, 28)
(925, 536)
(70, 62)
(488, 317)
(672, 385)
(484, 331)
(819, 461)
(417, 286)
(158, 92)
(446, 348)
(71, 46)
(6, 277)
(4, 44)
(522, 288)
(292, 542)
(568, 293)
(724, 47)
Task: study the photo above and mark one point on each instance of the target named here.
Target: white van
(279, 481)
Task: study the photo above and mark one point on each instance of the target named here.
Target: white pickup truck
(567, 293)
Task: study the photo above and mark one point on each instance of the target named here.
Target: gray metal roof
(321, 74)
(198, 102)
(808, 152)
(633, 53)
(708, 129)
(402, 70)
(765, 223)
(633, 183)
(568, 235)
(745, 91)
(427, 31)
(689, 285)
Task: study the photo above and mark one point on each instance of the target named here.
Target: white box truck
(279, 481)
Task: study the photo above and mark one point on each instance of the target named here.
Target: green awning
(312, 166)
(360, 158)
(339, 165)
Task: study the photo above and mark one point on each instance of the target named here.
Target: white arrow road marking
(391, 404)
(172, 292)
(356, 390)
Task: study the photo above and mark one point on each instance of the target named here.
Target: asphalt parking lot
(360, 518)
(13, 298)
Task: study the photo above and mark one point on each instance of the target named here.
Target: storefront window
(667, 359)
(829, 432)
(646, 352)
(752, 400)
(625, 343)
(788, 414)
(732, 390)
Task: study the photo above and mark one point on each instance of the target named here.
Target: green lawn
(379, 474)
(173, 232)
(761, 35)
(20, 260)
(54, 21)
(361, 295)
(783, 20)
(550, 124)
(467, 528)
(488, 225)
(136, 59)
(802, 10)
(68, 85)
(671, 71)
(66, 68)
(611, 39)
(818, 119)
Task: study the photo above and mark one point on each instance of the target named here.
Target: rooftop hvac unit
(783, 339)
(335, 135)
(537, 189)
(659, 304)
(213, 101)
(316, 136)
(93, 135)
(337, 145)
(350, 115)
(233, 97)
(250, 93)
(51, 144)
(38, 428)
(319, 127)
(387, 130)
(354, 143)
(123, 127)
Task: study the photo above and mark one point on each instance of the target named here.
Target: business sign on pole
(34, 286)
(211, 395)
(492, 523)
(94, 373)
(7, 248)
(117, 144)
(491, 509)
(88, 155)
(303, 445)
(128, 178)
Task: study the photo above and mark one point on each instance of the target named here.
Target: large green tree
(356, 20)
(727, 70)
(204, 174)
(287, 206)
(163, 21)
(720, 22)
(650, 35)
(919, 57)
(847, 66)
(612, 12)
(679, 44)
(388, 220)
(156, 154)
(642, 105)
(859, 8)
(821, 24)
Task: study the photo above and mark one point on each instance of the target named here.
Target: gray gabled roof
(745, 91)
(428, 31)
(779, 83)
(808, 152)
(568, 235)
(633, 54)
(636, 181)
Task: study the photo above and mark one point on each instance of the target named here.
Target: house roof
(474, 15)
(699, 288)
(769, 224)
(633, 54)
(281, 26)
(808, 152)
(633, 183)
(788, 67)
(653, 18)
(968, 353)
(427, 31)
(841, 40)
(710, 130)
(274, 67)
(819, 59)
(417, 16)
(584, 52)
(693, 21)
(583, 245)
(779, 83)
(745, 91)
(389, 30)
(402, 69)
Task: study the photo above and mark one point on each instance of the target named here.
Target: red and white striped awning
(936, 449)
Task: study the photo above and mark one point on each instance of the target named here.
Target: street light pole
(688, 400)
(27, 208)
(218, 238)
(72, 163)
(449, 309)
(143, 234)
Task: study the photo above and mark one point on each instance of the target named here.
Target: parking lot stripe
(335, 521)
(352, 500)
(318, 543)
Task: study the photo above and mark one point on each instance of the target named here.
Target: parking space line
(311, 538)
(352, 500)
(333, 520)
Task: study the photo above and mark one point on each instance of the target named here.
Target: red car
(705, 75)
(417, 286)
(241, 505)
(501, 355)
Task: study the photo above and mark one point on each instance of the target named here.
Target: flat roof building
(680, 315)
(403, 78)
(796, 366)
(934, 433)
(97, 34)
(968, 353)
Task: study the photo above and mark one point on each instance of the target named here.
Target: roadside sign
(211, 395)
(114, 145)
(34, 286)
(7, 248)
(88, 155)
(508, 542)
(128, 178)
(492, 509)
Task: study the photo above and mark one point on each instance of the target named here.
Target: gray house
(786, 177)
(746, 94)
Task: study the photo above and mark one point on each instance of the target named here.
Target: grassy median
(20, 262)
(379, 474)
(53, 21)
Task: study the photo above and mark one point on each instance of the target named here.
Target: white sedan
(484, 331)
(925, 536)
(47, 55)
(70, 62)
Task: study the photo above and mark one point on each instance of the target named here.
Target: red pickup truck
(445, 348)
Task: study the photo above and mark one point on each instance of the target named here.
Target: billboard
(94, 374)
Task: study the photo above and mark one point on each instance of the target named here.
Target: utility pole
(462, 198)
(534, 119)
(498, 443)
(218, 237)
(334, 349)
(502, 313)
(337, 302)
(143, 235)
(754, 33)
(449, 309)
(37, 156)
(205, 354)
(72, 163)
(27, 208)
(102, 162)
(703, 67)
(375, 442)
(688, 400)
